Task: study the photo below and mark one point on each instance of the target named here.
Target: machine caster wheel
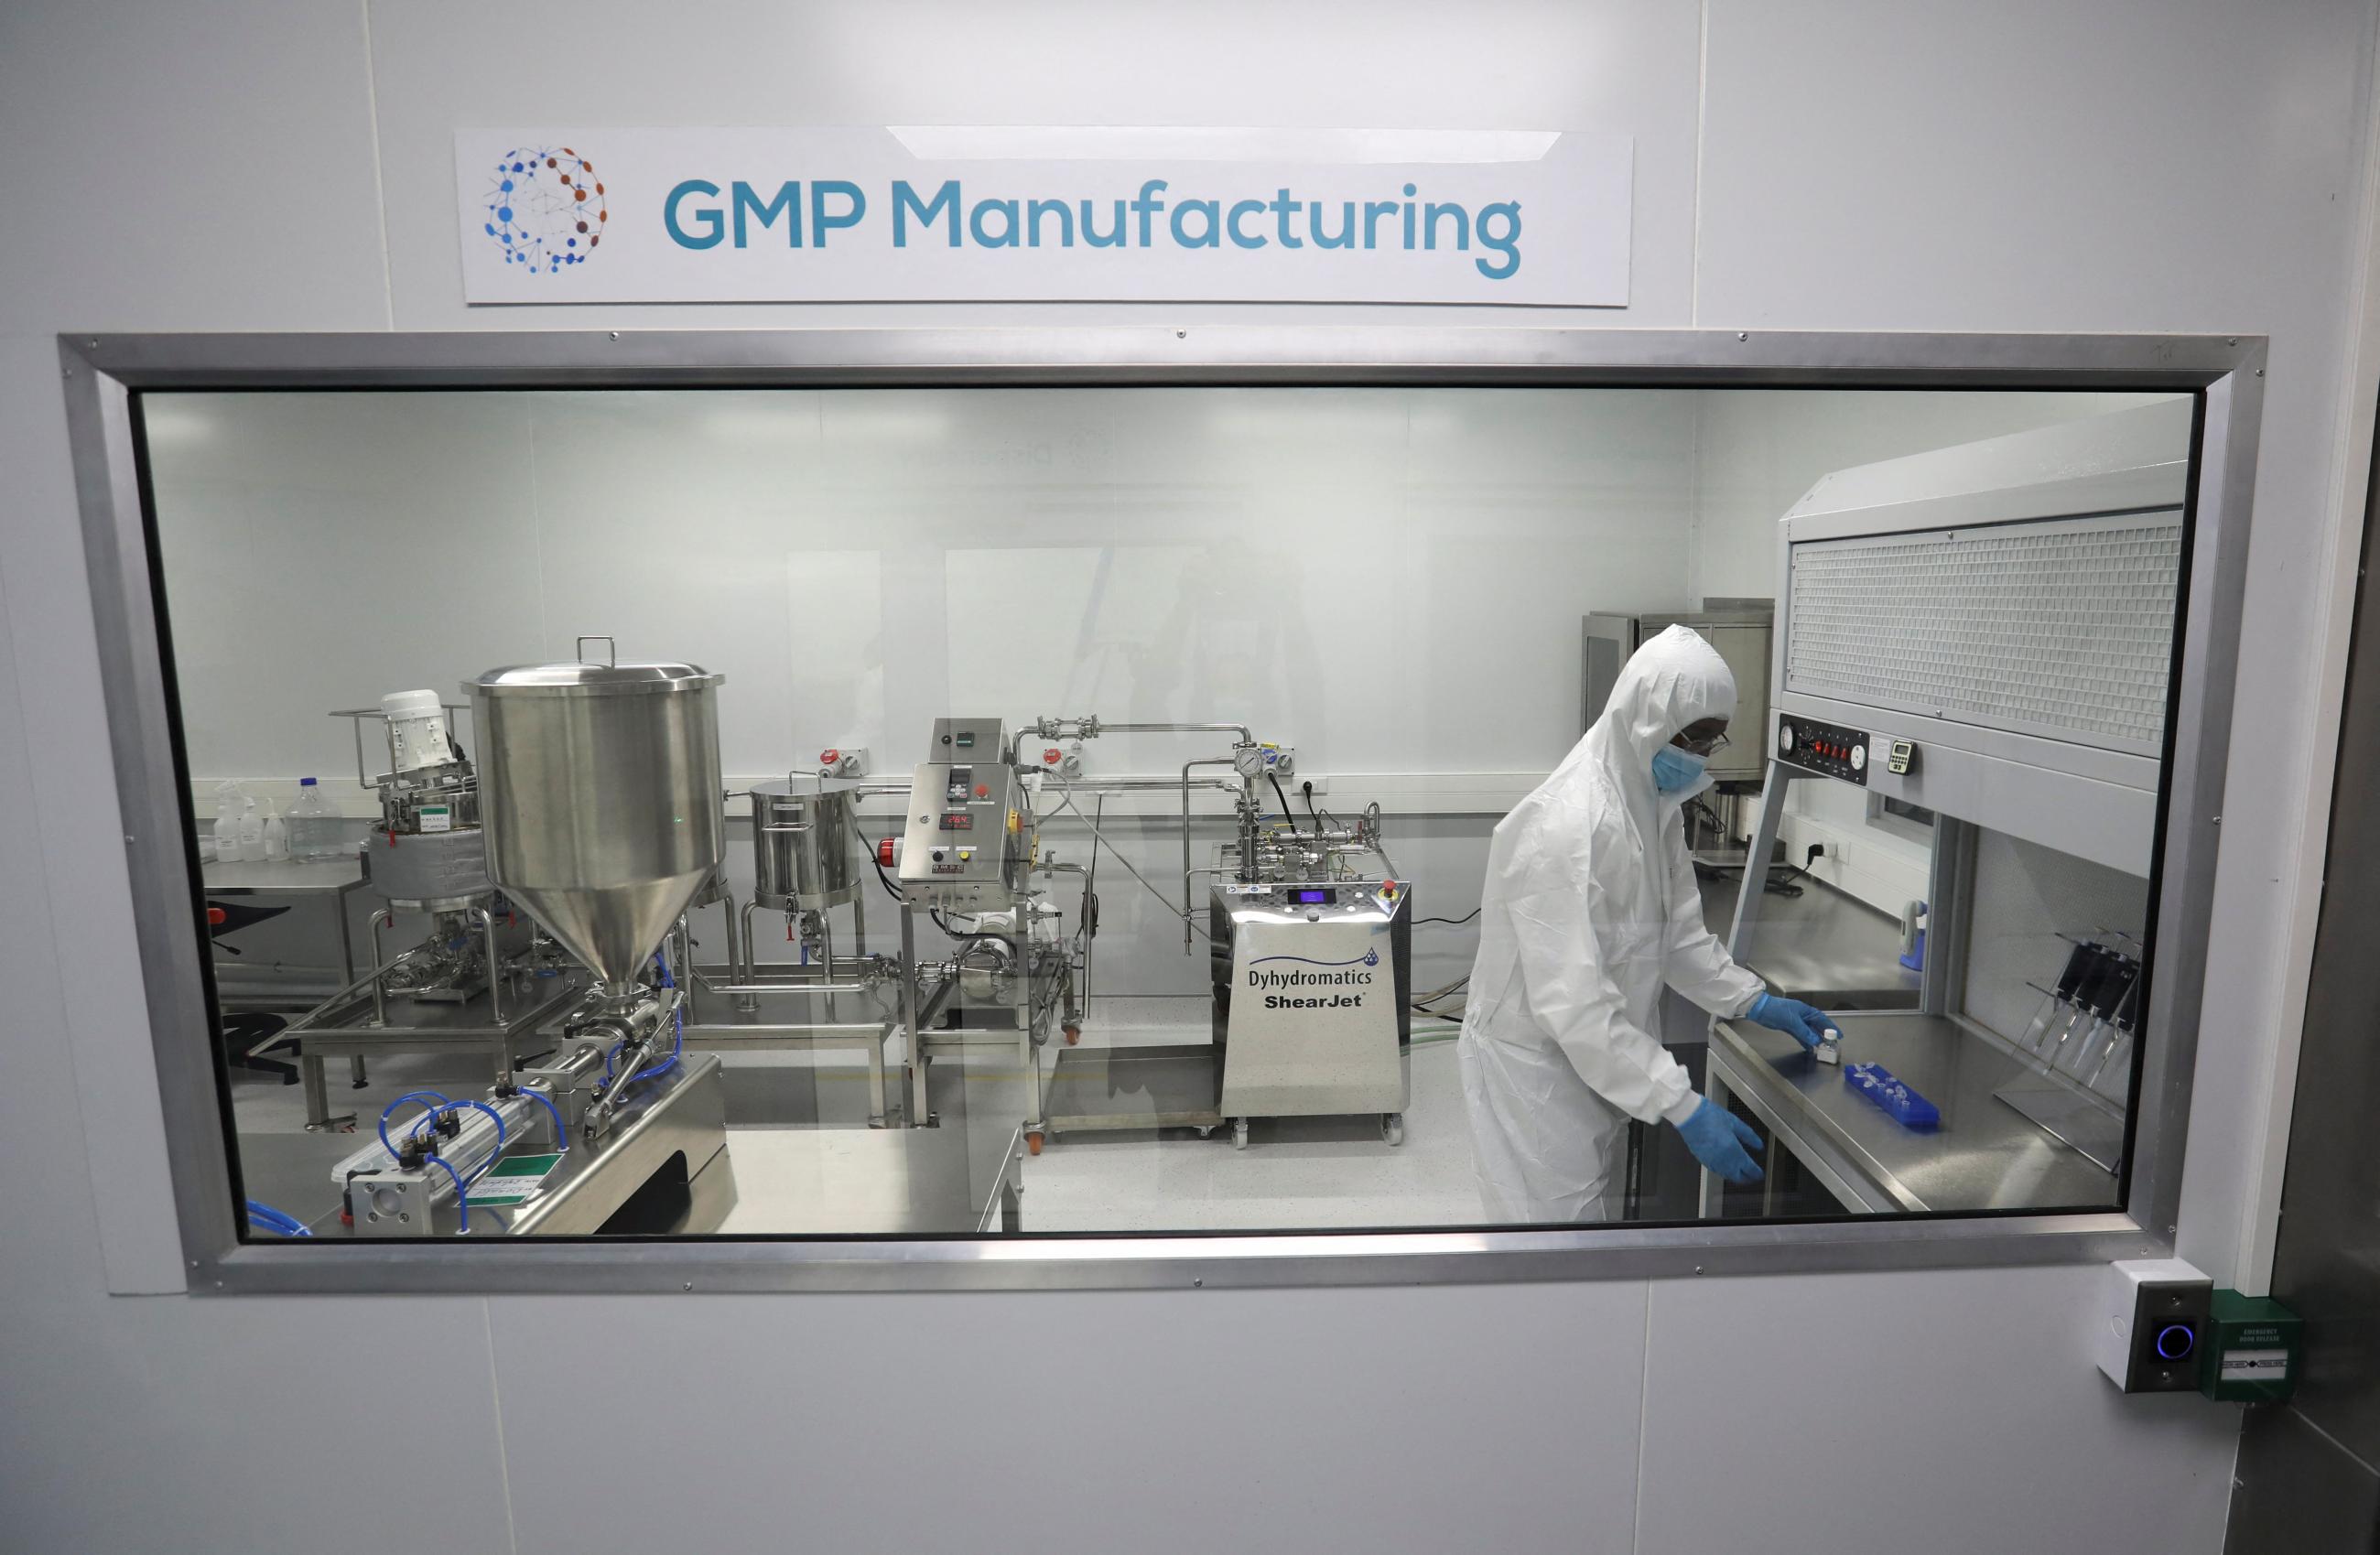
(1239, 1134)
(1033, 1142)
(1073, 1034)
(1393, 1127)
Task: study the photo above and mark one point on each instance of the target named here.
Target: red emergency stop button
(829, 758)
(216, 917)
(1050, 757)
(983, 791)
(884, 850)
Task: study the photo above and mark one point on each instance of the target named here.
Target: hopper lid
(592, 680)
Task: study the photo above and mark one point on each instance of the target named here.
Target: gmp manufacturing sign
(1044, 214)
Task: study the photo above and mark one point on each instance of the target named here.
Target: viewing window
(827, 812)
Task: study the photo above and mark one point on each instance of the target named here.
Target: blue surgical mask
(1676, 771)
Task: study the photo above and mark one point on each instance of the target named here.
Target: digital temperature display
(1323, 898)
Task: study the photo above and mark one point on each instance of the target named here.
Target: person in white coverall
(1590, 908)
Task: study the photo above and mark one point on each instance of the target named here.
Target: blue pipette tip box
(1899, 1103)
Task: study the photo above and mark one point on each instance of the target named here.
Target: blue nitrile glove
(1804, 1023)
(1722, 1141)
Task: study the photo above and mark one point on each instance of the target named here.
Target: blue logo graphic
(1369, 958)
(546, 207)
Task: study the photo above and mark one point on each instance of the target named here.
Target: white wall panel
(178, 167)
(1950, 1411)
(277, 1427)
(1391, 580)
(1426, 1418)
(164, 168)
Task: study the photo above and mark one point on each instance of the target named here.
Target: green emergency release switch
(2251, 1350)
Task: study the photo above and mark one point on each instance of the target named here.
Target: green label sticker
(515, 1180)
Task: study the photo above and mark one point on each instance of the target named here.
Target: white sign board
(1052, 215)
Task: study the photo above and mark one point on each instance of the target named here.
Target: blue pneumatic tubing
(274, 1220)
(435, 1100)
(678, 1047)
(561, 1134)
(462, 1200)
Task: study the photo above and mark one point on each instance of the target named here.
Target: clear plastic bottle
(225, 835)
(252, 833)
(276, 834)
(313, 830)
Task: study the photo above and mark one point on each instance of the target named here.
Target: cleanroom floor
(1295, 1174)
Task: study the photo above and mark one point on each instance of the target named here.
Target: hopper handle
(611, 654)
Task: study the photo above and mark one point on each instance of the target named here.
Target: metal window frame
(102, 372)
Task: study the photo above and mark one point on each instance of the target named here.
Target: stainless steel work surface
(292, 1172)
(954, 1178)
(1822, 944)
(1094, 1089)
(1985, 1155)
(334, 877)
(858, 1181)
(425, 1023)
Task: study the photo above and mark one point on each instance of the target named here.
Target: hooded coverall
(1590, 907)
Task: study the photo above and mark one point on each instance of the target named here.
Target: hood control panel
(1823, 749)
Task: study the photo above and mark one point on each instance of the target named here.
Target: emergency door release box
(2154, 1318)
(2251, 1353)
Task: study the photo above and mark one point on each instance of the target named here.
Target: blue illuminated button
(2175, 1342)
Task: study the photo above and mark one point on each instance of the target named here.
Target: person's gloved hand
(1804, 1023)
(1722, 1141)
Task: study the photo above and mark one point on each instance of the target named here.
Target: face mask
(1675, 771)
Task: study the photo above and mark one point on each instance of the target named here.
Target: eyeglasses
(1710, 746)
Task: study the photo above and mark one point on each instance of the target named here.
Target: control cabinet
(963, 846)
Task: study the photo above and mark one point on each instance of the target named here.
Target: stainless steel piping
(1204, 761)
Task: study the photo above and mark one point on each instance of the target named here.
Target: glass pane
(1242, 808)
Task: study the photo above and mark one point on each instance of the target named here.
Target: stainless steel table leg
(876, 1082)
(318, 1092)
(749, 973)
(1027, 1056)
(1714, 1188)
(916, 1052)
(347, 961)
